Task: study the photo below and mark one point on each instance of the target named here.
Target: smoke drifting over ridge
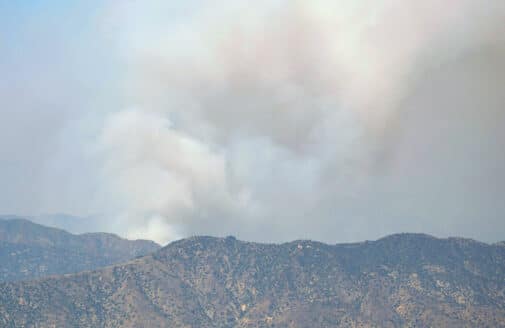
(294, 119)
(331, 120)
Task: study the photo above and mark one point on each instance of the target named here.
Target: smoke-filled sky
(268, 120)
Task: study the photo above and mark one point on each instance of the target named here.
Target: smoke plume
(269, 120)
(317, 119)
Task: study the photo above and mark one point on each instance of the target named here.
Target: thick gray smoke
(333, 120)
(274, 120)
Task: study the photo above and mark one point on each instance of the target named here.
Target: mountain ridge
(29, 250)
(397, 281)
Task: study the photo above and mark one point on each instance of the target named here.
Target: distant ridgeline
(30, 251)
(405, 280)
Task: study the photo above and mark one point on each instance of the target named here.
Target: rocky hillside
(405, 280)
(29, 250)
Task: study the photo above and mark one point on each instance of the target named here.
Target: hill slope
(405, 280)
(29, 250)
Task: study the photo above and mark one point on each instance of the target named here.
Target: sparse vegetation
(405, 280)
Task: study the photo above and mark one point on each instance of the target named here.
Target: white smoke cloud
(273, 121)
(155, 171)
(332, 120)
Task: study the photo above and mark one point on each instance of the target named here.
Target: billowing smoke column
(332, 120)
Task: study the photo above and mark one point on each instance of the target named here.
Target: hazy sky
(269, 120)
